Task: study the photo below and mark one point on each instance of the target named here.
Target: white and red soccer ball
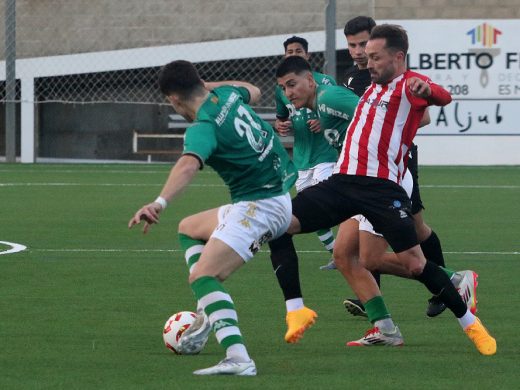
(175, 327)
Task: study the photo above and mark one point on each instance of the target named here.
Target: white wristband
(162, 202)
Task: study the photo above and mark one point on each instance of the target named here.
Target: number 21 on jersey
(245, 124)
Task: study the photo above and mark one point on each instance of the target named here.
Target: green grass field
(83, 307)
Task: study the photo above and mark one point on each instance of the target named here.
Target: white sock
(294, 304)
(467, 319)
(238, 352)
(385, 325)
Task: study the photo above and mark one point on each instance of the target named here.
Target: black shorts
(383, 202)
(417, 204)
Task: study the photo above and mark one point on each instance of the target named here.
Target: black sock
(377, 277)
(439, 284)
(285, 265)
(432, 249)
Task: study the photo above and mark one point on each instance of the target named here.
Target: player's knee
(415, 266)
(186, 226)
(345, 262)
(412, 260)
(368, 261)
(294, 226)
(199, 271)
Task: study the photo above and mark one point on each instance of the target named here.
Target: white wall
(465, 150)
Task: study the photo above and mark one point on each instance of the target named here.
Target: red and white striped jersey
(384, 125)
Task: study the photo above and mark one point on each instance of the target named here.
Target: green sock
(327, 238)
(448, 272)
(219, 307)
(192, 249)
(376, 309)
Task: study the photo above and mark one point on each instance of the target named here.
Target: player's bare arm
(254, 91)
(180, 176)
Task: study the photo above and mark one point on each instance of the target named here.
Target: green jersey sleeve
(322, 78)
(244, 93)
(200, 141)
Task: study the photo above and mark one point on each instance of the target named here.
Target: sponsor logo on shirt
(333, 112)
(224, 111)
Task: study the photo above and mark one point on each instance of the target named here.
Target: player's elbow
(255, 94)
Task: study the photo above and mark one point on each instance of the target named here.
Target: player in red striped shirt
(368, 173)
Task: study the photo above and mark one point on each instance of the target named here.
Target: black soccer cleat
(435, 307)
(355, 307)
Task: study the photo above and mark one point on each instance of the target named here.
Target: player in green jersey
(245, 151)
(334, 106)
(313, 154)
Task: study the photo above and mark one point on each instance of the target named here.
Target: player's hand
(418, 87)
(149, 214)
(283, 127)
(314, 125)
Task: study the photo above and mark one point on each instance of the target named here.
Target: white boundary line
(21, 184)
(14, 247)
(99, 185)
(73, 250)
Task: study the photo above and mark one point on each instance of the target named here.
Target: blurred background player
(246, 153)
(313, 155)
(334, 106)
(357, 78)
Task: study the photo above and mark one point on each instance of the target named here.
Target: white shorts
(245, 226)
(310, 177)
(365, 225)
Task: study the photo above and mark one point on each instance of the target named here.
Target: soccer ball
(174, 328)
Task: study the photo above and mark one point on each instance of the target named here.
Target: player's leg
(431, 247)
(285, 267)
(217, 262)
(242, 231)
(317, 207)
(194, 231)
(319, 173)
(428, 239)
(439, 284)
(347, 257)
(390, 214)
(209, 266)
(285, 262)
(464, 281)
(354, 305)
(310, 177)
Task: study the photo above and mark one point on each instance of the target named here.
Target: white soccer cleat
(195, 337)
(466, 284)
(374, 337)
(229, 366)
(329, 266)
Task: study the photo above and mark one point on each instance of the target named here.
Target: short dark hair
(395, 35)
(180, 77)
(295, 39)
(359, 24)
(293, 64)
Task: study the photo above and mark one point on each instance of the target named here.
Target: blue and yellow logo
(485, 34)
